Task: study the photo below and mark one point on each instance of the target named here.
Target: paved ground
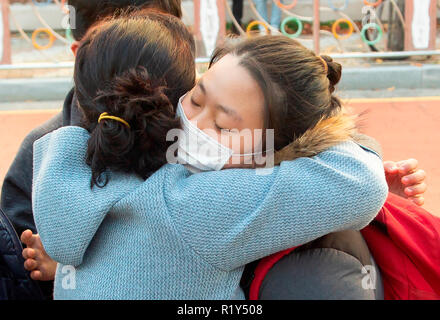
(14, 126)
(406, 128)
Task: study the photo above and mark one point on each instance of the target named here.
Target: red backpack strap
(262, 269)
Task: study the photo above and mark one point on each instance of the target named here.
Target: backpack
(404, 240)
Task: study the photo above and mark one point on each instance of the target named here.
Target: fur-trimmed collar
(325, 134)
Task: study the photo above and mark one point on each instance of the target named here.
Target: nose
(204, 121)
(197, 117)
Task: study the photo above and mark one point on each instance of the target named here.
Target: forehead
(231, 85)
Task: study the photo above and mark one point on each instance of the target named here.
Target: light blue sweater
(183, 236)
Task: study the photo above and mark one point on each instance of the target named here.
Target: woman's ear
(74, 47)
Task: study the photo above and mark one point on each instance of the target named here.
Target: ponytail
(334, 72)
(334, 75)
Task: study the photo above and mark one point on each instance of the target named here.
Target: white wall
(24, 15)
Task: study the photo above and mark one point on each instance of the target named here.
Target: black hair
(134, 67)
(88, 12)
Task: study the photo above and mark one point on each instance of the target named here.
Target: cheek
(243, 143)
(247, 141)
(199, 119)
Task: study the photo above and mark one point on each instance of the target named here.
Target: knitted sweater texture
(179, 235)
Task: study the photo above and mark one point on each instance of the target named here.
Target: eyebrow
(224, 109)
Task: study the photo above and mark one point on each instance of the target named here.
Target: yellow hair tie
(105, 115)
(324, 63)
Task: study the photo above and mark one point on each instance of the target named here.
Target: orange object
(335, 27)
(373, 4)
(255, 23)
(34, 38)
(286, 6)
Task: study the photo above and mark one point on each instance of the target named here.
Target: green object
(365, 29)
(69, 35)
(298, 23)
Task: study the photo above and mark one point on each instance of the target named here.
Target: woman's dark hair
(88, 12)
(136, 68)
(297, 84)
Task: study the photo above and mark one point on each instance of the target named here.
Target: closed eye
(222, 129)
(194, 103)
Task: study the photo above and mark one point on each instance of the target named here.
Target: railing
(418, 25)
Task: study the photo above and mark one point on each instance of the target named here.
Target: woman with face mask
(136, 227)
(301, 106)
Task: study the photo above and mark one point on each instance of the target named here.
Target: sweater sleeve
(67, 211)
(236, 216)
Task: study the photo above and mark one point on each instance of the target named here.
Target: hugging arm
(67, 211)
(404, 178)
(233, 217)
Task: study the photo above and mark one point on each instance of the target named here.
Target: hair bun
(135, 98)
(334, 72)
(144, 105)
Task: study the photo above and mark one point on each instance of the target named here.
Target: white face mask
(198, 151)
